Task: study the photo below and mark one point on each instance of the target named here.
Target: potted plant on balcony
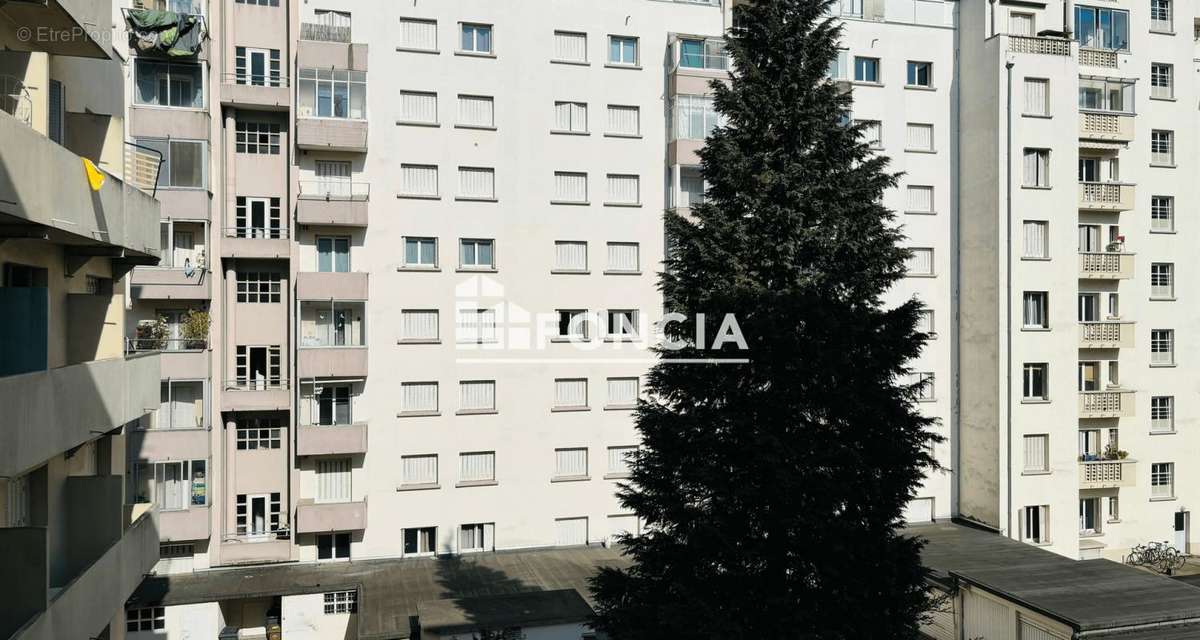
(1117, 245)
(1111, 452)
(150, 335)
(195, 329)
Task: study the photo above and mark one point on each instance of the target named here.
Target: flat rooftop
(1089, 595)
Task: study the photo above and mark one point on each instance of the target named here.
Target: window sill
(417, 196)
(627, 205)
(405, 267)
(1164, 99)
(1153, 299)
(418, 414)
(411, 50)
(1164, 433)
(1035, 259)
(865, 83)
(1035, 401)
(1036, 329)
(474, 270)
(573, 63)
(1036, 187)
(476, 412)
(558, 132)
(571, 202)
(570, 272)
(419, 487)
(636, 136)
(620, 407)
(1039, 116)
(417, 123)
(610, 272)
(570, 478)
(621, 338)
(1163, 166)
(617, 476)
(929, 151)
(1162, 33)
(1035, 473)
(631, 67)
(1166, 232)
(568, 340)
(920, 213)
(918, 87)
(568, 409)
(138, 105)
(474, 199)
(419, 341)
(920, 275)
(1166, 499)
(476, 127)
(1170, 365)
(476, 54)
(475, 483)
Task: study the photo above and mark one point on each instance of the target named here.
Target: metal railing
(324, 32)
(256, 384)
(137, 345)
(261, 233)
(142, 167)
(15, 100)
(270, 80)
(191, 7)
(334, 190)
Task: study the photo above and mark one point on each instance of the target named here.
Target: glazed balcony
(1105, 265)
(333, 203)
(1106, 196)
(1106, 335)
(323, 517)
(319, 440)
(1111, 403)
(1107, 474)
(333, 338)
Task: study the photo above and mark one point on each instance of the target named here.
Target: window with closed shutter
(920, 137)
(1037, 97)
(570, 46)
(920, 199)
(623, 256)
(618, 459)
(570, 392)
(419, 397)
(477, 182)
(477, 395)
(476, 111)
(920, 263)
(570, 462)
(422, 469)
(1034, 239)
(623, 120)
(419, 107)
(571, 531)
(570, 187)
(478, 466)
(419, 180)
(1035, 453)
(570, 117)
(622, 392)
(623, 189)
(570, 256)
(419, 35)
(419, 324)
(333, 480)
(622, 524)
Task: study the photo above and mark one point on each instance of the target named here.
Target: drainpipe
(1008, 375)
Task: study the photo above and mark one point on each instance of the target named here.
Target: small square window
(476, 38)
(420, 252)
(333, 546)
(920, 74)
(866, 69)
(623, 50)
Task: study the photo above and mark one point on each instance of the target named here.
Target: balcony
(331, 134)
(323, 517)
(245, 550)
(332, 362)
(45, 187)
(152, 283)
(1102, 58)
(695, 62)
(1106, 196)
(48, 412)
(1111, 403)
(1106, 335)
(258, 242)
(328, 45)
(181, 358)
(184, 524)
(350, 285)
(169, 444)
(1105, 265)
(1111, 127)
(1039, 45)
(256, 395)
(264, 93)
(333, 337)
(1107, 474)
(333, 203)
(82, 27)
(319, 440)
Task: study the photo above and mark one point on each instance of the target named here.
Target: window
(570, 255)
(257, 367)
(171, 551)
(570, 187)
(419, 180)
(476, 537)
(1162, 213)
(618, 461)
(920, 199)
(623, 50)
(184, 165)
(1162, 346)
(422, 469)
(570, 117)
(257, 137)
(477, 395)
(571, 531)
(872, 133)
(570, 46)
(691, 187)
(866, 69)
(1161, 84)
(476, 38)
(146, 619)
(1162, 414)
(420, 252)
(259, 433)
(1036, 453)
(476, 326)
(622, 393)
(1035, 313)
(1160, 15)
(1106, 94)
(695, 117)
(257, 218)
(1089, 516)
(476, 183)
(623, 257)
(622, 323)
(1162, 147)
(839, 67)
(1089, 376)
(1036, 382)
(1114, 509)
(920, 74)
(181, 405)
(1021, 23)
(332, 93)
(261, 3)
(169, 485)
(418, 35)
(257, 67)
(418, 107)
(925, 322)
(1035, 523)
(333, 546)
(420, 541)
(624, 120)
(419, 397)
(1102, 28)
(570, 463)
(573, 324)
(920, 262)
(419, 324)
(1034, 239)
(570, 393)
(920, 137)
(258, 286)
(476, 254)
(922, 382)
(162, 84)
(257, 514)
(1089, 307)
(1162, 480)
(1037, 97)
(476, 111)
(1037, 168)
(1162, 280)
(479, 466)
(623, 190)
(331, 404)
(333, 254)
(341, 602)
(333, 480)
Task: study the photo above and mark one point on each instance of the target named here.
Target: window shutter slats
(570, 256)
(623, 189)
(570, 187)
(623, 120)
(476, 111)
(418, 34)
(477, 466)
(477, 182)
(618, 459)
(920, 199)
(420, 325)
(622, 391)
(419, 180)
(920, 137)
(570, 47)
(477, 395)
(1035, 97)
(570, 393)
(420, 469)
(333, 480)
(570, 462)
(571, 531)
(420, 396)
(921, 262)
(623, 256)
(417, 106)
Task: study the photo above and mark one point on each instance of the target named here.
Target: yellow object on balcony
(95, 176)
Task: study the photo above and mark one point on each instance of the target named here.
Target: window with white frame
(476, 325)
(570, 393)
(1162, 147)
(257, 137)
(1162, 213)
(570, 117)
(619, 459)
(571, 463)
(258, 515)
(258, 218)
(866, 69)
(624, 120)
(420, 541)
(332, 93)
(341, 602)
(1035, 524)
(476, 111)
(1162, 346)
(1114, 509)
(920, 74)
(418, 107)
(571, 531)
(330, 404)
(477, 395)
(920, 199)
(475, 38)
(624, 257)
(1090, 511)
(919, 137)
(259, 433)
(570, 255)
(419, 180)
(570, 187)
(420, 252)
(1037, 458)
(181, 405)
(257, 67)
(477, 466)
(476, 183)
(623, 189)
(333, 546)
(1162, 83)
(573, 324)
(570, 46)
(476, 253)
(1162, 280)
(145, 619)
(622, 392)
(419, 397)
(1036, 168)
(476, 537)
(920, 262)
(839, 67)
(694, 117)
(623, 51)
(622, 323)
(1037, 97)
(419, 469)
(925, 321)
(1035, 242)
(418, 35)
(922, 383)
(1162, 414)
(1160, 15)
(419, 324)
(1162, 480)
(258, 287)
(1034, 310)
(872, 133)
(1035, 381)
(333, 480)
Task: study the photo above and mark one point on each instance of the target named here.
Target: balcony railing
(1106, 58)
(1112, 403)
(1113, 125)
(1039, 45)
(192, 7)
(334, 190)
(257, 233)
(1112, 196)
(1106, 474)
(1106, 265)
(256, 384)
(325, 32)
(139, 345)
(255, 79)
(1105, 335)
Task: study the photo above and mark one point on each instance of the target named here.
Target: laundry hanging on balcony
(166, 32)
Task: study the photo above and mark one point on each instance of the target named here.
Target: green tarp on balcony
(165, 32)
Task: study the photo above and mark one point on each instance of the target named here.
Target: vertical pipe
(1008, 393)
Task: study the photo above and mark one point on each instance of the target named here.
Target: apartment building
(71, 228)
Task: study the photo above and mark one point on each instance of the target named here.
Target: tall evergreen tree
(772, 491)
